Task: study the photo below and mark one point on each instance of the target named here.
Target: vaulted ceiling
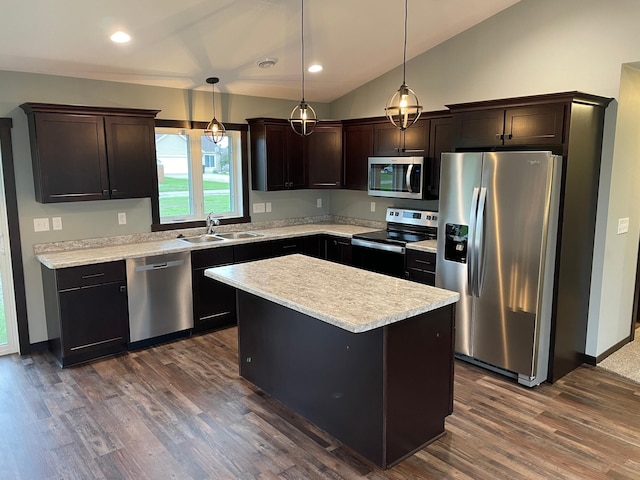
(181, 43)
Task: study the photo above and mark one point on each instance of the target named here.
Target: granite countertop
(346, 297)
(424, 246)
(109, 253)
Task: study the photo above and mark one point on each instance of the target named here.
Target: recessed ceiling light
(315, 68)
(120, 37)
(267, 62)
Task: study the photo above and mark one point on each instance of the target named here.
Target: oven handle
(377, 246)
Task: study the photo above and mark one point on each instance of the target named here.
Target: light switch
(319, 203)
(268, 206)
(373, 206)
(623, 225)
(57, 223)
(258, 208)
(122, 218)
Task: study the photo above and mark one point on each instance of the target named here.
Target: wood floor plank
(180, 410)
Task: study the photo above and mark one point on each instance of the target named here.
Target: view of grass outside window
(196, 176)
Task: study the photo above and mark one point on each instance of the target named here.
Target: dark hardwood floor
(180, 411)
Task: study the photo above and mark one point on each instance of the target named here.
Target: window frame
(243, 128)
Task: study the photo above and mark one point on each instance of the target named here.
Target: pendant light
(403, 108)
(303, 117)
(215, 130)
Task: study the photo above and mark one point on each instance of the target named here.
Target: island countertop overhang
(346, 297)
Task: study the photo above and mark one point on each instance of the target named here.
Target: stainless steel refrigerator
(497, 232)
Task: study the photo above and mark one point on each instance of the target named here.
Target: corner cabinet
(86, 310)
(91, 153)
(357, 147)
(277, 159)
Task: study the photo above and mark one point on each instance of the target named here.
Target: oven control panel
(420, 218)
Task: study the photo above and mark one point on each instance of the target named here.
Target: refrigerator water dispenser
(455, 244)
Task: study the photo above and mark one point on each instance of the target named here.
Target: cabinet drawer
(421, 261)
(86, 275)
(251, 251)
(211, 257)
(287, 246)
(421, 276)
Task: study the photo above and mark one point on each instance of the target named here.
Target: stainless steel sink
(202, 239)
(237, 235)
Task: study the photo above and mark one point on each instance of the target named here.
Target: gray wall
(544, 46)
(99, 219)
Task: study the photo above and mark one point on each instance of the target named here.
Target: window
(196, 176)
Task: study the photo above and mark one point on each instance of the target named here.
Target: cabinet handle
(509, 136)
(123, 289)
(105, 193)
(92, 275)
(289, 246)
(333, 184)
(499, 136)
(414, 150)
(114, 192)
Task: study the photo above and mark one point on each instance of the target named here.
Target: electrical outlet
(319, 203)
(40, 224)
(258, 208)
(373, 206)
(623, 225)
(57, 223)
(122, 218)
(268, 206)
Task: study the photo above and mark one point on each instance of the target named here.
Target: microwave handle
(408, 178)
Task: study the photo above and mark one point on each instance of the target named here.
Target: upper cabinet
(391, 141)
(534, 124)
(91, 153)
(277, 155)
(357, 147)
(323, 155)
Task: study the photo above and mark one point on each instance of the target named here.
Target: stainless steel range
(383, 251)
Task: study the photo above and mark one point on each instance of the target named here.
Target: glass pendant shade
(215, 130)
(403, 108)
(303, 119)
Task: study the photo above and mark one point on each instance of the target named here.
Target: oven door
(378, 257)
(398, 177)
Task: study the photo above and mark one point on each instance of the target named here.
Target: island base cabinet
(384, 393)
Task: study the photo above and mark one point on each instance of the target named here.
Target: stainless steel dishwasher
(160, 296)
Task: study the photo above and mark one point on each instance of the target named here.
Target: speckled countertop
(108, 253)
(347, 297)
(424, 246)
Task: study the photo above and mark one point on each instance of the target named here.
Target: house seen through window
(196, 176)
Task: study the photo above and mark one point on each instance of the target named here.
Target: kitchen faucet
(211, 222)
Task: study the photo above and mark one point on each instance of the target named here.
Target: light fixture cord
(404, 57)
(302, 33)
(213, 97)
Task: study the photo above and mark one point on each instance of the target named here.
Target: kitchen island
(366, 357)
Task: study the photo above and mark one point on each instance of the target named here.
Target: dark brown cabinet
(214, 303)
(390, 140)
(277, 156)
(525, 125)
(339, 250)
(86, 310)
(357, 147)
(323, 155)
(91, 153)
(440, 141)
(421, 267)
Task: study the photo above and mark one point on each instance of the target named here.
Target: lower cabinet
(86, 310)
(214, 303)
(421, 267)
(339, 250)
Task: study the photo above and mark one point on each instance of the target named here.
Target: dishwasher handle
(159, 266)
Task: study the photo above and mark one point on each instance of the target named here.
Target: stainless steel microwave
(398, 177)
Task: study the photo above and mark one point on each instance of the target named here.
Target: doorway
(8, 322)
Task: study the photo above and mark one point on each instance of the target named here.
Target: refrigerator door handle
(479, 241)
(471, 252)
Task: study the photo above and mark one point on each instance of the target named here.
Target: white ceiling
(181, 43)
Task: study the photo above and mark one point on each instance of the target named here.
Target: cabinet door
(296, 163)
(421, 267)
(251, 251)
(214, 303)
(131, 155)
(287, 246)
(323, 154)
(71, 161)
(94, 321)
(440, 141)
(386, 139)
(358, 147)
(276, 156)
(416, 138)
(482, 128)
(536, 125)
(339, 250)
